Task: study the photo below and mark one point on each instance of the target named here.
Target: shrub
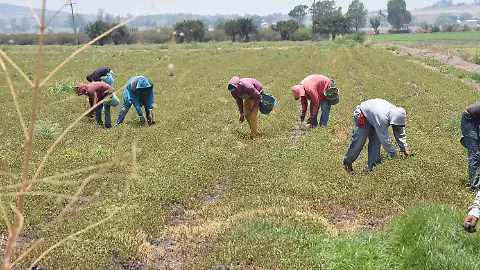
(359, 37)
(62, 87)
(435, 29)
(303, 34)
(476, 58)
(47, 130)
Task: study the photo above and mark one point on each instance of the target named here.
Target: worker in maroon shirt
(97, 91)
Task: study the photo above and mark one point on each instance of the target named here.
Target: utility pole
(313, 19)
(73, 19)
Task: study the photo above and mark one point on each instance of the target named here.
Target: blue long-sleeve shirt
(137, 96)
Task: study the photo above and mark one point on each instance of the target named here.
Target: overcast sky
(205, 7)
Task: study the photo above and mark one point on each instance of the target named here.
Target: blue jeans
(470, 133)
(124, 110)
(98, 115)
(325, 107)
(359, 137)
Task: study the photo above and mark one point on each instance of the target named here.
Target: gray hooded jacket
(381, 114)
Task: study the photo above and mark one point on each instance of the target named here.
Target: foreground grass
(425, 237)
(198, 144)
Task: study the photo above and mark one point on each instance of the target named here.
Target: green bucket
(332, 95)
(114, 101)
(267, 104)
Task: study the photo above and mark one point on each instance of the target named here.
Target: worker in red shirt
(313, 88)
(97, 91)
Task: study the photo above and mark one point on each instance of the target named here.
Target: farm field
(198, 194)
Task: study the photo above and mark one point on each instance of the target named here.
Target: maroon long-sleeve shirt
(247, 88)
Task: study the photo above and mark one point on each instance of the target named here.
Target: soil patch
(455, 61)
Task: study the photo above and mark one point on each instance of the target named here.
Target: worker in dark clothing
(471, 140)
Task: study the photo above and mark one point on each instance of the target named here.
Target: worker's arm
(304, 102)
(384, 137)
(471, 220)
(239, 102)
(258, 86)
(136, 103)
(401, 138)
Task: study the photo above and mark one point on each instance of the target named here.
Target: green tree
(95, 29)
(191, 30)
(24, 25)
(445, 18)
(398, 15)
(298, 13)
(286, 28)
(465, 16)
(425, 26)
(377, 21)
(357, 14)
(245, 28)
(329, 19)
(231, 29)
(120, 35)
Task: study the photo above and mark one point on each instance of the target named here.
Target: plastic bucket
(332, 95)
(109, 79)
(267, 104)
(114, 101)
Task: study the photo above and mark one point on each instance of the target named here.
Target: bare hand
(242, 118)
(470, 223)
(407, 153)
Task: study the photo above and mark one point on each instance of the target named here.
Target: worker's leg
(108, 119)
(470, 133)
(126, 104)
(359, 138)
(374, 147)
(326, 107)
(98, 114)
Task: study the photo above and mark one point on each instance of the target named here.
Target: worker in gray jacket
(371, 120)
(471, 220)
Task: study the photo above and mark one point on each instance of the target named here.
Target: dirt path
(455, 61)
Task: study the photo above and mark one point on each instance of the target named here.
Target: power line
(73, 19)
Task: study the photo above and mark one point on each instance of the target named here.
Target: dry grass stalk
(17, 68)
(71, 236)
(29, 4)
(18, 223)
(25, 254)
(15, 98)
(16, 229)
(5, 218)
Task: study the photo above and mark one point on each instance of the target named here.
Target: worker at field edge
(96, 76)
(138, 92)
(97, 91)
(313, 88)
(371, 120)
(247, 92)
(470, 125)
(471, 220)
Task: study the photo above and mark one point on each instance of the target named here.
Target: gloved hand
(469, 224)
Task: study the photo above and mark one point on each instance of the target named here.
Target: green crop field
(428, 36)
(198, 194)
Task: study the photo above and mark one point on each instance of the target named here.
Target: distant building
(264, 24)
(468, 22)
